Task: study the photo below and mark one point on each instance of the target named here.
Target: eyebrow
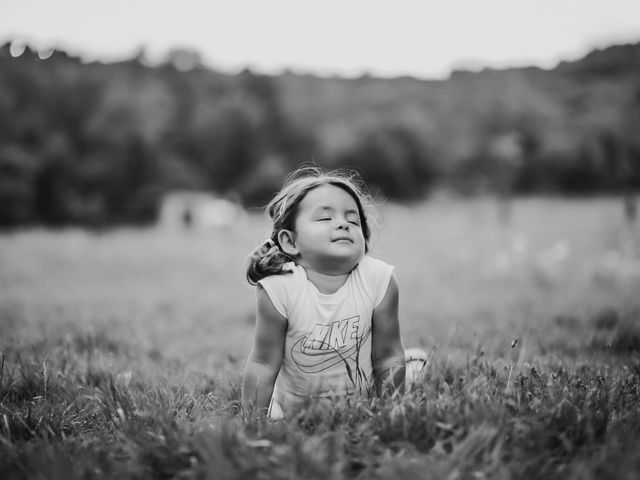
(324, 208)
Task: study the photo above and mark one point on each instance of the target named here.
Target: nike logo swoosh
(313, 360)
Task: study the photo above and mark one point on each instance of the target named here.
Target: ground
(122, 352)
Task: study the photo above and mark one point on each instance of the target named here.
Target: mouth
(342, 239)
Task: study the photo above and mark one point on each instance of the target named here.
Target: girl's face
(328, 231)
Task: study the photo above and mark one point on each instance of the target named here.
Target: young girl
(327, 313)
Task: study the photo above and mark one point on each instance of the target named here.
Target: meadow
(121, 352)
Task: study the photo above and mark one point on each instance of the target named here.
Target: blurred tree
(58, 201)
(95, 143)
(184, 59)
(17, 196)
(629, 172)
(393, 161)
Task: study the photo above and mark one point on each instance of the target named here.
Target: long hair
(269, 258)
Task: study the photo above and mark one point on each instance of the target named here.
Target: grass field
(121, 352)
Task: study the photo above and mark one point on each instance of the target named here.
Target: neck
(326, 283)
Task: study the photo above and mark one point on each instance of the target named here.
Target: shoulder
(267, 309)
(283, 289)
(375, 276)
(370, 263)
(373, 269)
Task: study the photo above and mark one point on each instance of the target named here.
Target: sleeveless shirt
(327, 348)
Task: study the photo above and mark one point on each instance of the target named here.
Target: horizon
(20, 46)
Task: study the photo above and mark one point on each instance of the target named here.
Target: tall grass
(121, 354)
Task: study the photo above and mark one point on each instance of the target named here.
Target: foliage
(98, 144)
(66, 418)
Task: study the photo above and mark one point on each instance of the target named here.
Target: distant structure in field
(192, 210)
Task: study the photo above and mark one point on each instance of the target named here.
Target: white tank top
(328, 342)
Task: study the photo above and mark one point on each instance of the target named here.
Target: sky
(425, 39)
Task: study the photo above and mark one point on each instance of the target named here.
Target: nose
(343, 224)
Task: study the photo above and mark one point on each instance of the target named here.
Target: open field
(121, 352)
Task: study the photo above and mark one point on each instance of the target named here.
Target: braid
(267, 259)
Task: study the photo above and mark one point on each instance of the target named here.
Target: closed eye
(353, 218)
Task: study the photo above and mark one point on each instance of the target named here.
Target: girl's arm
(265, 357)
(387, 353)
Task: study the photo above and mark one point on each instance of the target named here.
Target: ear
(286, 239)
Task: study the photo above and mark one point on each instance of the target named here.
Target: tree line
(98, 144)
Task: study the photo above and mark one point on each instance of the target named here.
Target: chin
(352, 262)
(338, 265)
